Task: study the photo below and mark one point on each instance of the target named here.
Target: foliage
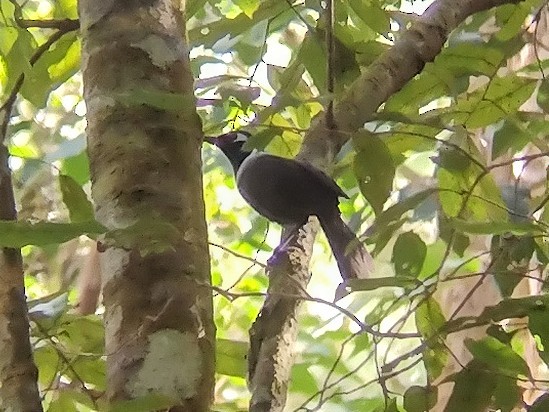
(424, 178)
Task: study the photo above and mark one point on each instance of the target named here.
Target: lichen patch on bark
(172, 366)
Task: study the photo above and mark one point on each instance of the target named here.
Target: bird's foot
(276, 257)
(282, 249)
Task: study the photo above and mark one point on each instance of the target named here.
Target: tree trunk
(144, 140)
(18, 374)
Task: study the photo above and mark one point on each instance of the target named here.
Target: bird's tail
(352, 258)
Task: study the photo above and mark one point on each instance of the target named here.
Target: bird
(288, 192)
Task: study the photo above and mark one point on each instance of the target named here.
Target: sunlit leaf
(510, 18)
(55, 66)
(231, 357)
(76, 200)
(498, 356)
(430, 322)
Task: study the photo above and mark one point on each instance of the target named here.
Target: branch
(64, 25)
(238, 255)
(273, 334)
(389, 73)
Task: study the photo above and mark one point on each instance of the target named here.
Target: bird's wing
(323, 178)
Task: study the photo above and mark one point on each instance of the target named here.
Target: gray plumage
(288, 191)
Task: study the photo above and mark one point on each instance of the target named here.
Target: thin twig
(238, 255)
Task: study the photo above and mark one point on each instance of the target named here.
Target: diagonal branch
(274, 332)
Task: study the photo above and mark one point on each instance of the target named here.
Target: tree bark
(144, 140)
(18, 373)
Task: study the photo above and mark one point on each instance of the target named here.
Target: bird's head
(232, 145)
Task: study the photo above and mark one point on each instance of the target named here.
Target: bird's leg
(288, 235)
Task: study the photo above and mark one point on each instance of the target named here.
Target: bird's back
(286, 191)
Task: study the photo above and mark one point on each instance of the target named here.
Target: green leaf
(54, 67)
(407, 138)
(46, 359)
(193, 6)
(372, 14)
(249, 7)
(391, 219)
(367, 404)
(17, 59)
(500, 98)
(231, 357)
(395, 212)
(512, 134)
(76, 200)
(243, 94)
(452, 159)
(149, 403)
(473, 389)
(470, 58)
(510, 18)
(510, 258)
(83, 334)
(374, 169)
(72, 400)
(303, 381)
(420, 399)
(63, 403)
(429, 318)
(447, 233)
(507, 394)
(409, 254)
(537, 323)
(91, 369)
(390, 405)
(543, 95)
(471, 194)
(498, 356)
(210, 33)
(77, 167)
(508, 308)
(430, 322)
(8, 37)
(19, 234)
(247, 52)
(309, 54)
(362, 343)
(66, 9)
(415, 94)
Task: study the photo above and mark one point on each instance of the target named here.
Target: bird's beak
(210, 140)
